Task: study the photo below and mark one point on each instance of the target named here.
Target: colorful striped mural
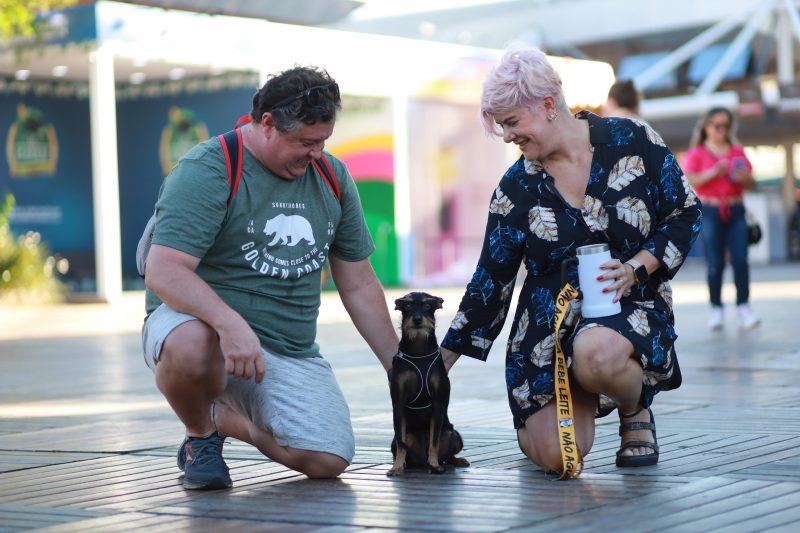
(370, 160)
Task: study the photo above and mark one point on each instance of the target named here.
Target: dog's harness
(422, 364)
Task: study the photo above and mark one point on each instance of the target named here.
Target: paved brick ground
(86, 441)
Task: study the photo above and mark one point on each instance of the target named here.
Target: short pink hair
(522, 79)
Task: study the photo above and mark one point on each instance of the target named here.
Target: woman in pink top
(720, 172)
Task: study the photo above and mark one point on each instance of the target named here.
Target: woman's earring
(551, 117)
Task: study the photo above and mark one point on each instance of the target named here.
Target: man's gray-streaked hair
(282, 96)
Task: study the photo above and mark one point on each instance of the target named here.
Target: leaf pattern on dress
(596, 174)
(480, 342)
(533, 167)
(543, 384)
(671, 178)
(544, 350)
(675, 212)
(573, 313)
(458, 321)
(514, 371)
(691, 195)
(654, 192)
(652, 135)
(620, 132)
(687, 187)
(605, 403)
(501, 316)
(634, 211)
(481, 286)
(532, 266)
(500, 205)
(629, 248)
(522, 330)
(670, 329)
(507, 290)
(626, 170)
(542, 221)
(544, 305)
(690, 200)
(453, 339)
(541, 399)
(522, 395)
(650, 378)
(504, 243)
(665, 292)
(659, 354)
(648, 304)
(672, 256)
(639, 323)
(557, 255)
(594, 214)
(696, 227)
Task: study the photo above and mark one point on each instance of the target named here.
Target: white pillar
(785, 45)
(105, 176)
(402, 189)
(788, 184)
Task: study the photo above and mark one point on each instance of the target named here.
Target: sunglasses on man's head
(313, 95)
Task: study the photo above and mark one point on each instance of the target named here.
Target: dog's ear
(400, 303)
(433, 300)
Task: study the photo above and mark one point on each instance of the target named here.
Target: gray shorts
(298, 401)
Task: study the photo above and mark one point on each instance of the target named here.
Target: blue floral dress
(636, 198)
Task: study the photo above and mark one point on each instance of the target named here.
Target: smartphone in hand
(737, 164)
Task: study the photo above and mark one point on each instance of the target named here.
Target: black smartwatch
(639, 270)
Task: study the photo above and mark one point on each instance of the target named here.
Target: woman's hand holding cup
(623, 276)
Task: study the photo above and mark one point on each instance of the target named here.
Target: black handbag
(754, 232)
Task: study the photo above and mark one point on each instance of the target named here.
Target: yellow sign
(31, 146)
(181, 133)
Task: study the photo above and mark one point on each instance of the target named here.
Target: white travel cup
(596, 303)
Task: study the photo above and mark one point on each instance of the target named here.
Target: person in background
(622, 101)
(580, 180)
(718, 168)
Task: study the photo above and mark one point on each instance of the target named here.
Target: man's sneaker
(715, 319)
(747, 317)
(202, 463)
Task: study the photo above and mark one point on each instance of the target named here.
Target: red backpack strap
(326, 171)
(232, 147)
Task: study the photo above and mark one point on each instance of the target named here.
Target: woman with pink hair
(580, 180)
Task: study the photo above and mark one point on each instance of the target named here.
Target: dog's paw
(395, 472)
(436, 469)
(458, 461)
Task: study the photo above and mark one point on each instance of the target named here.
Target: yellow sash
(571, 458)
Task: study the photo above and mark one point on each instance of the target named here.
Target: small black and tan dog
(423, 434)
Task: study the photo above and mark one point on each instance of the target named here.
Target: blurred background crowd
(98, 100)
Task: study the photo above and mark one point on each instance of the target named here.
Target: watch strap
(639, 270)
(634, 263)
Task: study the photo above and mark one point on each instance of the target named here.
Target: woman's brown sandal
(637, 460)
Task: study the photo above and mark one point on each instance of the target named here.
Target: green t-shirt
(264, 253)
